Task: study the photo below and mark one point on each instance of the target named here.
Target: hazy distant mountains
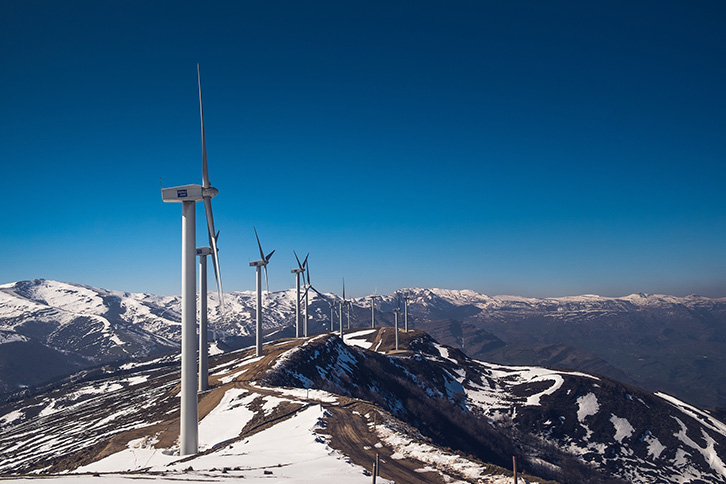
(661, 343)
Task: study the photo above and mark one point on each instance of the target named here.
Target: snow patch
(586, 406)
(623, 429)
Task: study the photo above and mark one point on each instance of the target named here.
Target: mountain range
(675, 345)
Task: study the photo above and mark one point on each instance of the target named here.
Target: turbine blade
(262, 254)
(213, 244)
(298, 260)
(268, 256)
(305, 262)
(205, 171)
(344, 289)
(302, 296)
(320, 294)
(267, 282)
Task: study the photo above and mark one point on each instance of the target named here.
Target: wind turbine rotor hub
(209, 192)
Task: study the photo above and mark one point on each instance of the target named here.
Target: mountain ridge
(660, 342)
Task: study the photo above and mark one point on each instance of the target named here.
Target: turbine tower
(309, 286)
(297, 271)
(396, 312)
(343, 303)
(332, 316)
(305, 297)
(373, 309)
(188, 195)
(406, 298)
(349, 304)
(259, 264)
(203, 252)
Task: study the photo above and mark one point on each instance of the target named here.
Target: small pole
(514, 465)
(374, 472)
(378, 464)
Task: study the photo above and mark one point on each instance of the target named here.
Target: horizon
(529, 149)
(213, 293)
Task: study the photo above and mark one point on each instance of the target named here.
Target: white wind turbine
(396, 312)
(406, 298)
(349, 304)
(309, 286)
(332, 315)
(342, 304)
(188, 195)
(373, 309)
(259, 264)
(300, 269)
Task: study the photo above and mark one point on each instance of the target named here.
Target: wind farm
(514, 212)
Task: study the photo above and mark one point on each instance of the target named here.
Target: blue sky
(531, 148)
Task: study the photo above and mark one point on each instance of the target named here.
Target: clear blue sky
(524, 147)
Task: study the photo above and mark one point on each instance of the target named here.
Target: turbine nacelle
(204, 251)
(187, 193)
(258, 263)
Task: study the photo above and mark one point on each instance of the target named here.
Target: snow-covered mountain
(320, 409)
(662, 343)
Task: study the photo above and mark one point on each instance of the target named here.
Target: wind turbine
(332, 315)
(343, 303)
(396, 312)
(373, 309)
(297, 271)
(406, 298)
(309, 286)
(259, 264)
(305, 297)
(188, 195)
(349, 304)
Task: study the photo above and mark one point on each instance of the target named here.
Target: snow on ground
(303, 393)
(444, 352)
(221, 370)
(587, 405)
(623, 429)
(655, 448)
(405, 448)
(14, 306)
(290, 451)
(692, 411)
(69, 297)
(8, 337)
(532, 374)
(11, 417)
(214, 349)
(227, 419)
(708, 452)
(354, 339)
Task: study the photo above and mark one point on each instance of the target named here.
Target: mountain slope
(128, 421)
(426, 410)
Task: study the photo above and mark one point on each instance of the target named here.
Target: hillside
(315, 408)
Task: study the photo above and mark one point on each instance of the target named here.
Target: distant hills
(661, 343)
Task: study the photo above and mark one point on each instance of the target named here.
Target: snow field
(291, 450)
